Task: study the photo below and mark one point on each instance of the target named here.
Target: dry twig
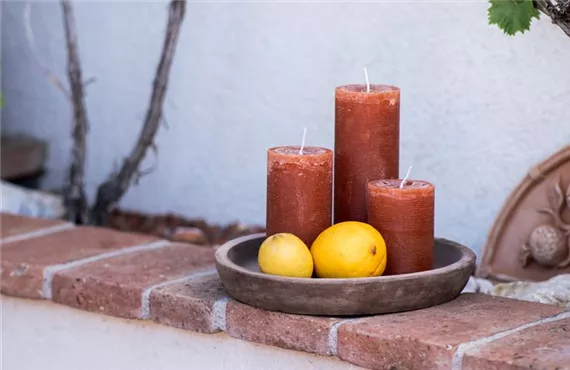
(559, 12)
(110, 192)
(75, 200)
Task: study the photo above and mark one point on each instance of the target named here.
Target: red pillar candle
(299, 191)
(367, 144)
(405, 218)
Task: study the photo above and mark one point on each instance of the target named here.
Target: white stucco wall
(478, 107)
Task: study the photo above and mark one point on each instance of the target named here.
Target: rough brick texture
(138, 276)
(12, 225)
(115, 286)
(302, 333)
(427, 339)
(190, 304)
(24, 261)
(545, 346)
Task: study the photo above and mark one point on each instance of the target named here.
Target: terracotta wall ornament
(530, 239)
(548, 243)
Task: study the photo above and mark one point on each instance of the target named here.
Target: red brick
(189, 304)
(114, 286)
(427, 339)
(23, 262)
(297, 332)
(12, 225)
(546, 346)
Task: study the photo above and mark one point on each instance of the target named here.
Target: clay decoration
(549, 244)
(529, 240)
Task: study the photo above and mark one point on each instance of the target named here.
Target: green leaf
(512, 16)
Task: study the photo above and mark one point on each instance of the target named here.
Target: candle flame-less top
(391, 187)
(311, 155)
(377, 94)
(294, 150)
(395, 183)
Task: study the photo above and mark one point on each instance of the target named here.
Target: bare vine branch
(110, 192)
(75, 200)
(89, 81)
(559, 13)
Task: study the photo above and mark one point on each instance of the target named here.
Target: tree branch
(110, 192)
(559, 13)
(75, 200)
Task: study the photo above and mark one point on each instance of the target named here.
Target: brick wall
(140, 277)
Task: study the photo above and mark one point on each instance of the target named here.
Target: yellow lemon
(286, 255)
(349, 249)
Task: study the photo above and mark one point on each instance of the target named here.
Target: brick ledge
(141, 277)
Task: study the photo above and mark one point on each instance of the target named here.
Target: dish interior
(245, 254)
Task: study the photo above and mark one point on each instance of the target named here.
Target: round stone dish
(236, 262)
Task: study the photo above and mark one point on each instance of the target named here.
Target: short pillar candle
(299, 191)
(405, 218)
(367, 144)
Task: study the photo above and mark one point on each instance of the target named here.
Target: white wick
(406, 177)
(367, 81)
(303, 142)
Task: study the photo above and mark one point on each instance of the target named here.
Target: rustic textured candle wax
(405, 218)
(367, 144)
(299, 191)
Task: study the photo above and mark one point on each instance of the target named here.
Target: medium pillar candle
(405, 218)
(299, 191)
(367, 144)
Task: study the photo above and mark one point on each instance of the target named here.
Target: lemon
(349, 249)
(286, 255)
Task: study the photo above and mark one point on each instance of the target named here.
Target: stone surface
(12, 224)
(554, 291)
(427, 339)
(478, 285)
(189, 304)
(23, 262)
(546, 346)
(29, 202)
(114, 286)
(298, 332)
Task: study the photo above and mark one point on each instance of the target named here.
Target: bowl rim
(221, 257)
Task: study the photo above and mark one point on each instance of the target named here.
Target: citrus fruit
(286, 255)
(349, 249)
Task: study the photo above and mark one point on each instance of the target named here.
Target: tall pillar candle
(299, 191)
(405, 218)
(367, 144)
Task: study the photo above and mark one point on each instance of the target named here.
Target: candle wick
(406, 177)
(367, 81)
(303, 142)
